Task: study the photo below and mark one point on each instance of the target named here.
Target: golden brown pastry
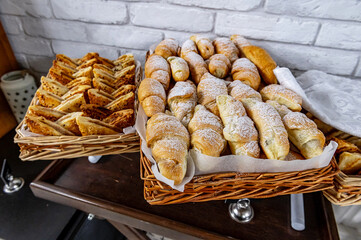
(152, 96)
(301, 130)
(88, 56)
(182, 99)
(239, 41)
(123, 102)
(283, 96)
(350, 163)
(294, 156)
(188, 46)
(166, 48)
(206, 131)
(156, 67)
(48, 113)
(79, 81)
(219, 65)
(104, 68)
(72, 104)
(86, 64)
(41, 125)
(125, 60)
(53, 86)
(123, 90)
(264, 62)
(121, 119)
(169, 141)
(99, 97)
(179, 68)
(59, 76)
(207, 91)
(69, 122)
(125, 76)
(100, 73)
(89, 126)
(61, 66)
(197, 66)
(95, 111)
(226, 47)
(85, 72)
(239, 129)
(76, 90)
(48, 99)
(272, 132)
(245, 71)
(102, 84)
(239, 91)
(67, 60)
(204, 45)
(345, 146)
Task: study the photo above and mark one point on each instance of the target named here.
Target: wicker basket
(55, 147)
(221, 186)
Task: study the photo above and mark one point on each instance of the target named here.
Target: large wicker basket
(221, 186)
(55, 147)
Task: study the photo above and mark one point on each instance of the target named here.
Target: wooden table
(112, 189)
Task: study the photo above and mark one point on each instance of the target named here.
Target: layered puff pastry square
(87, 96)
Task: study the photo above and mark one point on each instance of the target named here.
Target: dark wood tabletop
(112, 189)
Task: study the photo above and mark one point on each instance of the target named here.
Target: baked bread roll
(240, 91)
(245, 71)
(89, 126)
(169, 141)
(187, 47)
(197, 66)
(350, 163)
(151, 95)
(167, 47)
(283, 96)
(272, 132)
(204, 45)
(206, 131)
(239, 129)
(226, 47)
(182, 99)
(264, 62)
(48, 113)
(219, 65)
(157, 67)
(239, 41)
(179, 68)
(43, 126)
(207, 91)
(301, 130)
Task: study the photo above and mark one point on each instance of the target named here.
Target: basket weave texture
(55, 147)
(221, 186)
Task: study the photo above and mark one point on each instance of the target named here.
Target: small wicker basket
(55, 147)
(221, 186)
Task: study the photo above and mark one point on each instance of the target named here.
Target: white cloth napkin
(332, 99)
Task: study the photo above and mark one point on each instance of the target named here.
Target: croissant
(206, 131)
(272, 132)
(283, 96)
(182, 99)
(208, 89)
(179, 68)
(245, 71)
(169, 141)
(151, 95)
(239, 91)
(204, 46)
(197, 66)
(226, 47)
(187, 47)
(239, 129)
(157, 67)
(239, 41)
(264, 62)
(219, 65)
(301, 130)
(167, 47)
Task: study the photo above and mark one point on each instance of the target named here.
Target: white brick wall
(299, 34)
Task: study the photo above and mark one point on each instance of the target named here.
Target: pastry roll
(208, 89)
(206, 131)
(151, 95)
(239, 41)
(188, 46)
(302, 131)
(169, 141)
(219, 65)
(226, 47)
(263, 61)
(197, 66)
(272, 132)
(239, 129)
(245, 71)
(240, 91)
(283, 96)
(156, 67)
(182, 99)
(204, 46)
(179, 68)
(167, 47)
